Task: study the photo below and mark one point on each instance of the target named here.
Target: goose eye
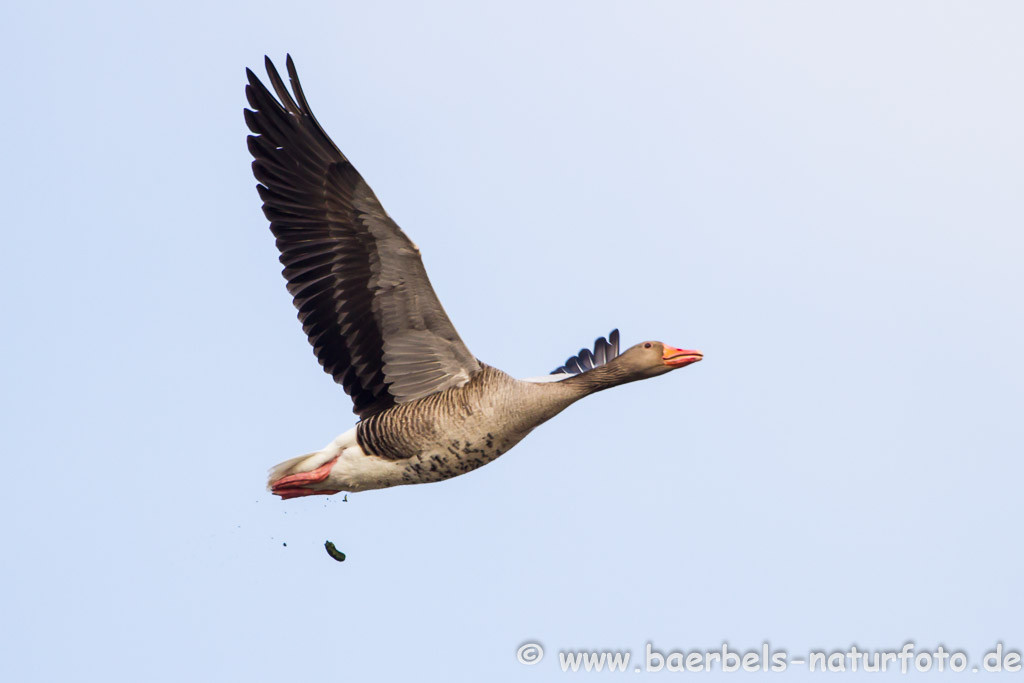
(647, 345)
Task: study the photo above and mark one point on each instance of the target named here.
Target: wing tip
(605, 349)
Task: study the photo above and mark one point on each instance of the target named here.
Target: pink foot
(298, 485)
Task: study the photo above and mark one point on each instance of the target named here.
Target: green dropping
(334, 552)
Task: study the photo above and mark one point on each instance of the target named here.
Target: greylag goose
(428, 409)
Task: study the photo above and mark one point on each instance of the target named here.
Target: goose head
(653, 358)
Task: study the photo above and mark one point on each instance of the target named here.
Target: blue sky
(825, 198)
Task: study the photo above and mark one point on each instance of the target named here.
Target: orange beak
(677, 358)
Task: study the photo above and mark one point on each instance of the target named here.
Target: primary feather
(363, 295)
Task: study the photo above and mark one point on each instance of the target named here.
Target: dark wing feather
(604, 351)
(363, 296)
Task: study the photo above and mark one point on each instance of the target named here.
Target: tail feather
(310, 461)
(293, 466)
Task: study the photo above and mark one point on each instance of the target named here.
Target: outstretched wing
(363, 296)
(604, 351)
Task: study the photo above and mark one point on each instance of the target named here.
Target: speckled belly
(453, 457)
(452, 432)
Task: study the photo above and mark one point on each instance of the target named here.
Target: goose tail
(307, 474)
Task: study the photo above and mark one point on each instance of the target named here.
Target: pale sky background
(825, 198)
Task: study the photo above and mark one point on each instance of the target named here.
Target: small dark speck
(285, 545)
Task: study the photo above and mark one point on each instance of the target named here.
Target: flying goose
(428, 409)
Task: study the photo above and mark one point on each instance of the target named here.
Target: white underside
(355, 470)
